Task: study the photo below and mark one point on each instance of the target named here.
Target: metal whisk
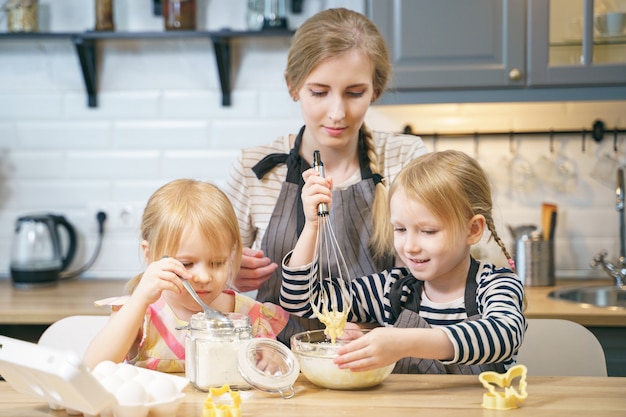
(335, 299)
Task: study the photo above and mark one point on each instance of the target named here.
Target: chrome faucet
(616, 271)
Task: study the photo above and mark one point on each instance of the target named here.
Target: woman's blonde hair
(328, 34)
(182, 203)
(451, 185)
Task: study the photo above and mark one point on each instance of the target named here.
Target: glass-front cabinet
(503, 50)
(586, 42)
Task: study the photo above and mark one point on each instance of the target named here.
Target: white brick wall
(159, 117)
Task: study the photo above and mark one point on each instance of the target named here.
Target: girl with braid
(445, 312)
(337, 65)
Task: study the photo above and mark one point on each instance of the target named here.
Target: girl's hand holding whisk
(162, 275)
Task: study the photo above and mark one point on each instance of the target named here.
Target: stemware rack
(598, 131)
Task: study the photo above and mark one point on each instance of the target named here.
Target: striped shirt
(495, 337)
(254, 199)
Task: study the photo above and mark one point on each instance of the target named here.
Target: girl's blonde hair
(183, 203)
(451, 185)
(328, 34)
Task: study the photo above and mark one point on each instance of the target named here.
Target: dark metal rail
(597, 131)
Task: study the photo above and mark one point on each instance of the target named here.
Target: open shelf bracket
(86, 50)
(221, 46)
(86, 44)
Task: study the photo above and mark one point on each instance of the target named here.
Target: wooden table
(398, 396)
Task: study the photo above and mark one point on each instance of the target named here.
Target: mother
(338, 64)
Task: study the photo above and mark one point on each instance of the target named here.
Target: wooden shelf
(85, 44)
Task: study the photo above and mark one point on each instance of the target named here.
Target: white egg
(104, 368)
(162, 389)
(126, 371)
(131, 393)
(111, 383)
(144, 378)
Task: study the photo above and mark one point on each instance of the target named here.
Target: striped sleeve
(498, 334)
(369, 300)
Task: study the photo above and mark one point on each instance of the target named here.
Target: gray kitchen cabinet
(490, 50)
(613, 341)
(575, 55)
(453, 43)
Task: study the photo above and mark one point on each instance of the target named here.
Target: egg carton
(61, 379)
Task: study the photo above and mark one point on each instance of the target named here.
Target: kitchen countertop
(540, 306)
(399, 396)
(48, 304)
(45, 305)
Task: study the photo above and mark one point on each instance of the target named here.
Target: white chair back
(73, 333)
(554, 347)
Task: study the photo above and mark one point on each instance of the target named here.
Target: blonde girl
(445, 312)
(189, 231)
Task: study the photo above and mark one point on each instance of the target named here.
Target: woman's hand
(255, 269)
(162, 275)
(316, 190)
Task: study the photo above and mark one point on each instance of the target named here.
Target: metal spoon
(217, 319)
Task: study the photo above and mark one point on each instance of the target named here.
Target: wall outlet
(121, 217)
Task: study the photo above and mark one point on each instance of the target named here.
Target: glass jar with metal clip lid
(217, 356)
(211, 352)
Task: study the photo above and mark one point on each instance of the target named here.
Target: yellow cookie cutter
(509, 397)
(211, 409)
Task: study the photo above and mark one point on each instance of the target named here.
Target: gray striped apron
(408, 317)
(350, 216)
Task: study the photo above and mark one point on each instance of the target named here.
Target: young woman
(338, 64)
(189, 231)
(446, 312)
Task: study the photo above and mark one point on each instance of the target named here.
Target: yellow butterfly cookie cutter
(509, 397)
(211, 409)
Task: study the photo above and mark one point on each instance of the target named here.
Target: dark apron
(408, 317)
(350, 216)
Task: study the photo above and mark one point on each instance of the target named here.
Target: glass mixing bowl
(315, 353)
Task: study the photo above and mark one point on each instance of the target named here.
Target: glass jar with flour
(211, 353)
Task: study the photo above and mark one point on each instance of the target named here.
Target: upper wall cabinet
(498, 50)
(569, 45)
(453, 43)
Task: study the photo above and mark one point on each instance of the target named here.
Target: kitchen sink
(611, 296)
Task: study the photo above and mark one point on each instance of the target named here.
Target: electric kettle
(37, 255)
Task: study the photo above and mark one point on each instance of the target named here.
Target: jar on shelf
(22, 15)
(211, 353)
(266, 14)
(255, 14)
(104, 15)
(179, 14)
